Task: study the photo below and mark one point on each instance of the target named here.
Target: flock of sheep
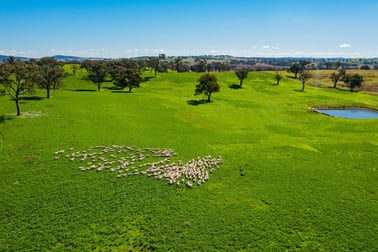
(130, 161)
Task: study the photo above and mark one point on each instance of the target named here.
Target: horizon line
(198, 55)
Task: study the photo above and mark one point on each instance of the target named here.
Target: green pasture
(291, 179)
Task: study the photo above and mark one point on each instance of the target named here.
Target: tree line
(20, 77)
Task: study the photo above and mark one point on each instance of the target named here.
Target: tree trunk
(296, 74)
(130, 89)
(208, 97)
(98, 86)
(156, 71)
(303, 85)
(241, 83)
(334, 84)
(48, 91)
(18, 106)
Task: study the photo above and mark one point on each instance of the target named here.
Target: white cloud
(344, 45)
(159, 50)
(270, 47)
(215, 52)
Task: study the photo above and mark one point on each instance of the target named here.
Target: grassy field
(370, 84)
(291, 179)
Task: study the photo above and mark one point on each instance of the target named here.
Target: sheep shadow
(235, 86)
(196, 102)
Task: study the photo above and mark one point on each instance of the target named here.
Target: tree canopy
(17, 78)
(241, 73)
(353, 81)
(278, 77)
(207, 85)
(128, 77)
(49, 74)
(97, 72)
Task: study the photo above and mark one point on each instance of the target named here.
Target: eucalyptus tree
(154, 64)
(242, 74)
(353, 81)
(74, 68)
(17, 78)
(97, 72)
(295, 68)
(336, 77)
(177, 63)
(207, 85)
(49, 74)
(127, 77)
(278, 78)
(304, 76)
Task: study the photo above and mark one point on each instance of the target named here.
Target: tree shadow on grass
(235, 86)
(299, 90)
(196, 102)
(30, 98)
(84, 90)
(145, 79)
(122, 91)
(5, 118)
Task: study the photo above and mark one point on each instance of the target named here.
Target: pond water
(356, 113)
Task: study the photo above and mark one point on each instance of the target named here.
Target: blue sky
(111, 28)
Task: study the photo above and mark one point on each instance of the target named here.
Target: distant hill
(68, 58)
(4, 57)
(57, 57)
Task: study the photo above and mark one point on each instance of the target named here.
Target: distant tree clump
(201, 65)
(365, 67)
(97, 72)
(17, 78)
(207, 85)
(353, 81)
(298, 67)
(328, 65)
(241, 73)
